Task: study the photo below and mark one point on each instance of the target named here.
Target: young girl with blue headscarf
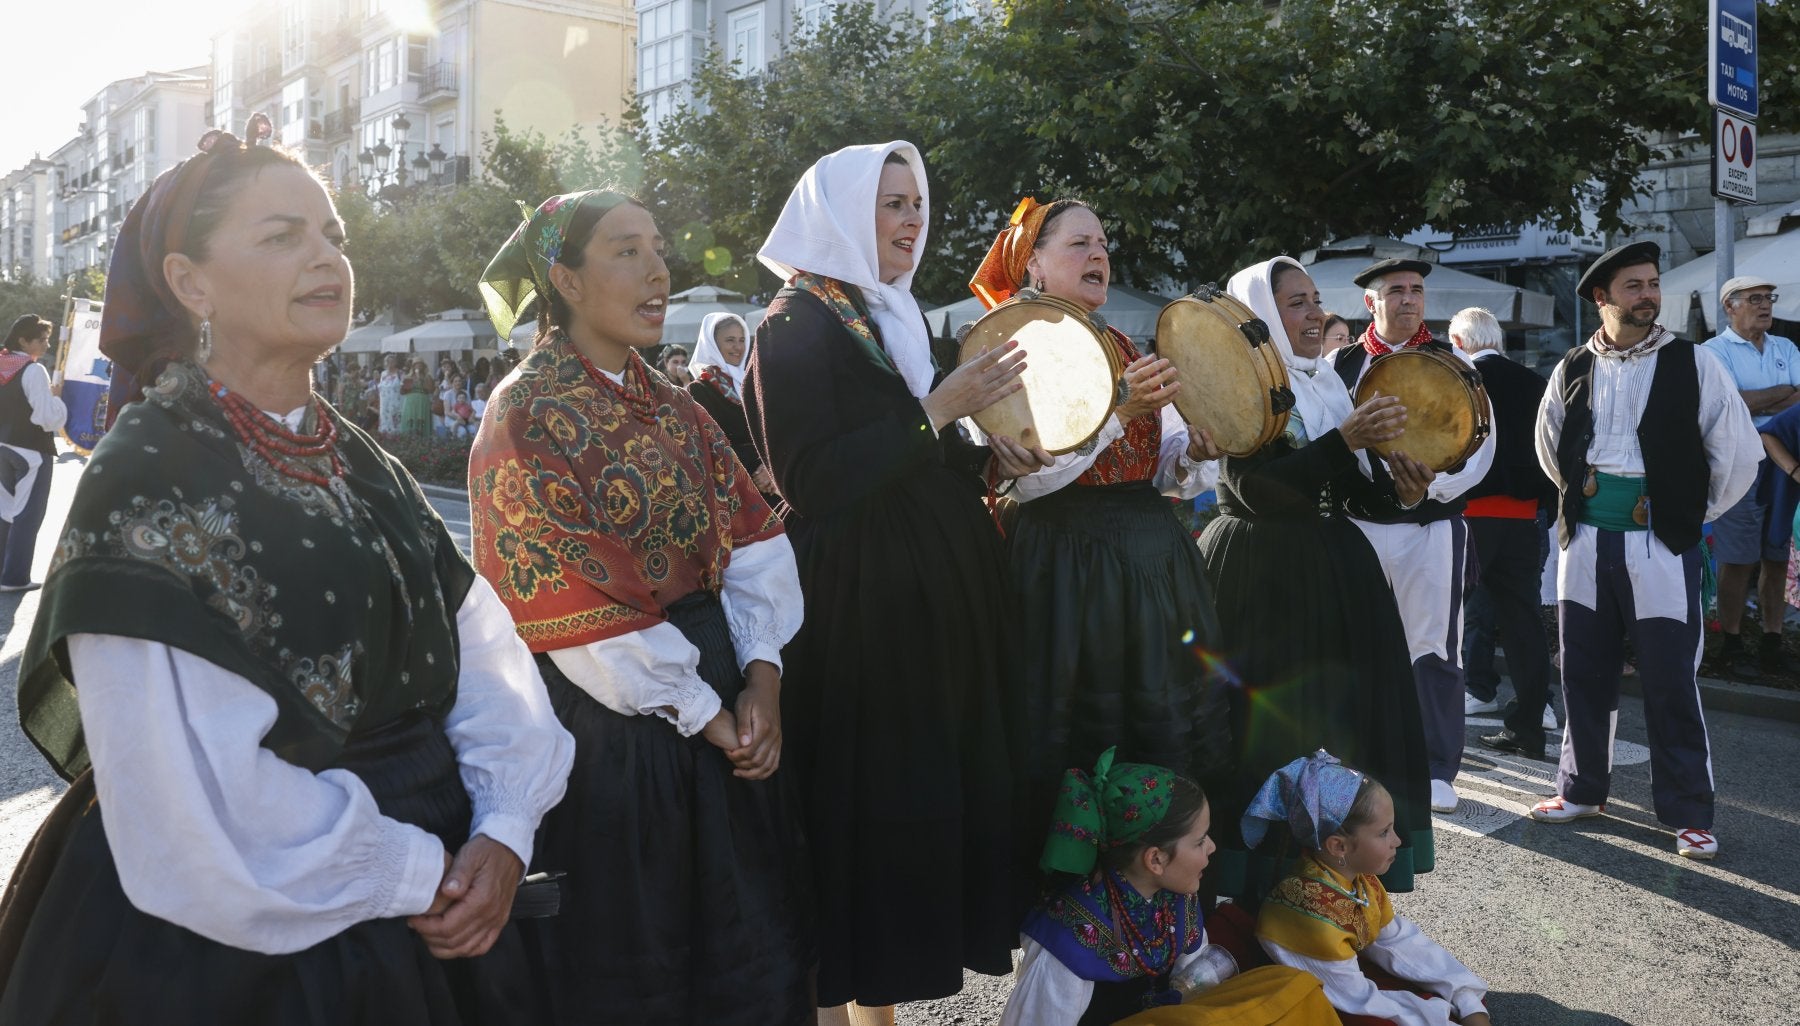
(1332, 912)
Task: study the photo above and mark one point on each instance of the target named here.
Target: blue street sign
(1731, 46)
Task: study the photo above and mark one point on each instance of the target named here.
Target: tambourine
(1071, 374)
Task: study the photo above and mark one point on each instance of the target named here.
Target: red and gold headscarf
(1002, 271)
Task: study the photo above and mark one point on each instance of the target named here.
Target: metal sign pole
(1724, 258)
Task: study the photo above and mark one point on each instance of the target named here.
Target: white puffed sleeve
(1550, 426)
(653, 671)
(47, 411)
(513, 755)
(1045, 992)
(1404, 950)
(1349, 990)
(1733, 447)
(762, 599)
(1063, 469)
(1177, 476)
(215, 833)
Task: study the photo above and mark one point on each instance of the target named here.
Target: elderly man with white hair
(1508, 533)
(1767, 371)
(1422, 550)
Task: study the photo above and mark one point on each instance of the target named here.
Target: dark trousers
(1510, 554)
(1668, 652)
(18, 540)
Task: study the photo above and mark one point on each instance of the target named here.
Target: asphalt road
(1593, 923)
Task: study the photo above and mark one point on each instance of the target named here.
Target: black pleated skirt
(686, 899)
(86, 956)
(1315, 635)
(1120, 638)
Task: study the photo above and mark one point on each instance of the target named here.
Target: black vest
(1348, 362)
(16, 427)
(1676, 474)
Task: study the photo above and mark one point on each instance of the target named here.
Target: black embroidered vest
(16, 427)
(1676, 473)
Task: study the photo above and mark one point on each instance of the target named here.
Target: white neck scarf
(1320, 399)
(707, 352)
(828, 228)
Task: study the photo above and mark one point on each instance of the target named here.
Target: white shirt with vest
(1621, 388)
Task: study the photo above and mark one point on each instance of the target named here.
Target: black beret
(1600, 275)
(1389, 266)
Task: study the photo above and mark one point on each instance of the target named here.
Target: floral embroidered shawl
(1320, 913)
(1076, 925)
(180, 534)
(590, 522)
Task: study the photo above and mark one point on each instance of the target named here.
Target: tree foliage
(1211, 134)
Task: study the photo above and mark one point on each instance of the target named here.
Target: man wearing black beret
(1424, 550)
(1645, 438)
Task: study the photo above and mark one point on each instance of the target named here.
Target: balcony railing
(342, 121)
(263, 81)
(439, 78)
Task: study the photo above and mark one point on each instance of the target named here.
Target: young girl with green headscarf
(1124, 941)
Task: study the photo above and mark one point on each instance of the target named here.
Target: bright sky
(64, 53)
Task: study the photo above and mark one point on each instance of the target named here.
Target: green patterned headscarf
(520, 272)
(1109, 808)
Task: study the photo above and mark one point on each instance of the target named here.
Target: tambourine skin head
(1069, 379)
(1446, 407)
(1227, 379)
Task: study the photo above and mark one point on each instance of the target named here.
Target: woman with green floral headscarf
(657, 590)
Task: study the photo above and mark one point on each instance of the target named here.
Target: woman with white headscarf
(718, 367)
(895, 713)
(1313, 630)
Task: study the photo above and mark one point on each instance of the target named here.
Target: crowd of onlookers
(402, 395)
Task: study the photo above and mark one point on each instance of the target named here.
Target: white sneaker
(1549, 722)
(1696, 844)
(1443, 796)
(1561, 810)
(1473, 706)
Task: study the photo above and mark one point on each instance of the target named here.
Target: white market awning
(448, 331)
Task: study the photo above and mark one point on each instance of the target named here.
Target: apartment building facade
(398, 93)
(27, 220)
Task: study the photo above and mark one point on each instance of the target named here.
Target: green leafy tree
(1211, 134)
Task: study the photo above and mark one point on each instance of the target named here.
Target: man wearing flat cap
(1423, 551)
(1767, 371)
(1645, 438)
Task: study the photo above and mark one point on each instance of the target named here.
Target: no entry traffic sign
(1734, 157)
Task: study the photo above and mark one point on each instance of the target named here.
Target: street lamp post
(400, 184)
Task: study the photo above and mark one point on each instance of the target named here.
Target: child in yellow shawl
(1126, 935)
(1333, 911)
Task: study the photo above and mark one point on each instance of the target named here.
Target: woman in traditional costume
(658, 589)
(1127, 932)
(1118, 617)
(1318, 669)
(719, 366)
(1332, 918)
(318, 749)
(896, 709)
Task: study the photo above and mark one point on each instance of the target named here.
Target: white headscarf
(707, 352)
(828, 228)
(1320, 399)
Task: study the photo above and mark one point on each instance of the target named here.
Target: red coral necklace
(283, 449)
(639, 398)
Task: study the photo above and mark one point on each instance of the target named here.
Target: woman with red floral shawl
(657, 589)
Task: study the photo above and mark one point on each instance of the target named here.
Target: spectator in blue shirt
(1767, 371)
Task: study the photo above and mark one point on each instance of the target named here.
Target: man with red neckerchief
(1423, 551)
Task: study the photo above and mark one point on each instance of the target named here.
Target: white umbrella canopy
(367, 339)
(681, 325)
(446, 331)
(1772, 251)
(1447, 291)
(1132, 311)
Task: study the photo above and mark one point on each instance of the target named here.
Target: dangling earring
(204, 352)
